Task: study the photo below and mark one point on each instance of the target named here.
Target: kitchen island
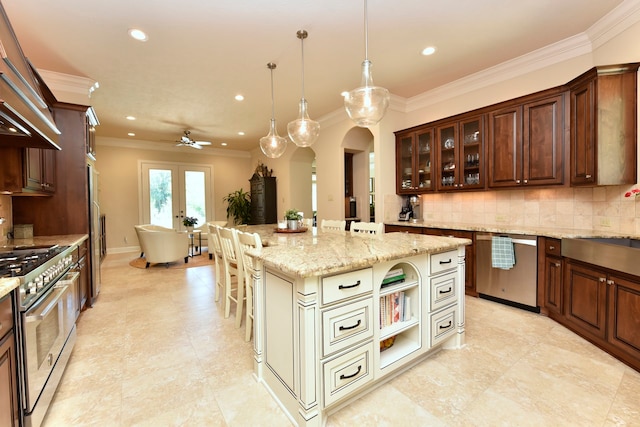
(336, 314)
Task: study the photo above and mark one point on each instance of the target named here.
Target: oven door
(46, 327)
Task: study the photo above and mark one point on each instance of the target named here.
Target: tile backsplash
(595, 208)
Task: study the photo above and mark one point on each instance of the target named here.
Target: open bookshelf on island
(399, 314)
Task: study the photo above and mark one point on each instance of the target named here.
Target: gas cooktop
(18, 261)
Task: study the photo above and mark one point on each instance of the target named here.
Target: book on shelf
(393, 277)
(394, 308)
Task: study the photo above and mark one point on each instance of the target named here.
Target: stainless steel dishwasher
(516, 286)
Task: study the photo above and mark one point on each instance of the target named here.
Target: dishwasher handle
(515, 241)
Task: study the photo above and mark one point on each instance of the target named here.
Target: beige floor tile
(156, 350)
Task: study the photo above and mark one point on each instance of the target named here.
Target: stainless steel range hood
(25, 118)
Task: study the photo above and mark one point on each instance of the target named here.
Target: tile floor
(156, 351)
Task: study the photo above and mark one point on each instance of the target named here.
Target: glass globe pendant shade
(303, 131)
(366, 105)
(273, 145)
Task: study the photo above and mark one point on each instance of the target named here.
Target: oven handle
(45, 311)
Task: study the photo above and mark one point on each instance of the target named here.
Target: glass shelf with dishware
(399, 314)
(414, 154)
(461, 154)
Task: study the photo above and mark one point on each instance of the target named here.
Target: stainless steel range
(46, 321)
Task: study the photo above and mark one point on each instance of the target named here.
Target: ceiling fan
(185, 140)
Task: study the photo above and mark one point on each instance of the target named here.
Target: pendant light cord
(271, 66)
(366, 33)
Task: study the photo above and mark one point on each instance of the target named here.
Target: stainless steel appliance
(45, 331)
(416, 213)
(94, 233)
(516, 286)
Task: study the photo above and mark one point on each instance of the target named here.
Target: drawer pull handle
(446, 262)
(346, 328)
(446, 327)
(346, 377)
(551, 248)
(447, 291)
(349, 286)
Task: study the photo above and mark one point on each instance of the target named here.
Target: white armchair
(164, 246)
(148, 227)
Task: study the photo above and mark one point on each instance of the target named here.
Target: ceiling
(200, 54)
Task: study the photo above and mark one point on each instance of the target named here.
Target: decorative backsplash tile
(597, 208)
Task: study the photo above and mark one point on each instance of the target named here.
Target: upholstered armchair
(148, 227)
(161, 246)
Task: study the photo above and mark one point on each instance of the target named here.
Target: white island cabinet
(329, 326)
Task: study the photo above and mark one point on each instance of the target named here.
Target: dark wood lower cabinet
(586, 298)
(9, 408)
(603, 307)
(553, 284)
(624, 315)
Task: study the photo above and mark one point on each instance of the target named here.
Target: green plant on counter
(292, 214)
(238, 206)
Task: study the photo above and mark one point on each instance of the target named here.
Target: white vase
(189, 228)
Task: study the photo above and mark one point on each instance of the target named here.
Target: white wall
(118, 167)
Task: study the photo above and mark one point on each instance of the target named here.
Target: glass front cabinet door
(414, 158)
(461, 154)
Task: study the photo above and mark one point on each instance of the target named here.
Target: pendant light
(273, 145)
(303, 131)
(367, 104)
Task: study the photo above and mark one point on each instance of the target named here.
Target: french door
(171, 191)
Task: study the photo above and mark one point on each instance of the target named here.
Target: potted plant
(189, 222)
(292, 216)
(238, 206)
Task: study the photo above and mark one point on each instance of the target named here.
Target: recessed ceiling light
(224, 144)
(131, 134)
(239, 97)
(130, 118)
(241, 133)
(138, 34)
(428, 51)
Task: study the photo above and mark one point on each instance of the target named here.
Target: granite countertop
(317, 252)
(7, 285)
(557, 233)
(10, 283)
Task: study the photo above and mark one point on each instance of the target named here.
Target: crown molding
(614, 23)
(160, 146)
(606, 28)
(60, 82)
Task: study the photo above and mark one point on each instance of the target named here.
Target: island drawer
(444, 261)
(346, 325)
(347, 373)
(443, 324)
(346, 285)
(443, 290)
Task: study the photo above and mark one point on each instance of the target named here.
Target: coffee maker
(414, 203)
(406, 213)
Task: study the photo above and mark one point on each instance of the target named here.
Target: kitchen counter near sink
(556, 233)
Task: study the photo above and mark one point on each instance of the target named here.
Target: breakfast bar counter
(336, 314)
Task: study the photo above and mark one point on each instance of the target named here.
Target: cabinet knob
(517, 181)
(558, 264)
(588, 176)
(526, 180)
(551, 247)
(602, 280)
(610, 282)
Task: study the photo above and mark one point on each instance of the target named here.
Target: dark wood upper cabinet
(415, 161)
(526, 142)
(603, 141)
(461, 154)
